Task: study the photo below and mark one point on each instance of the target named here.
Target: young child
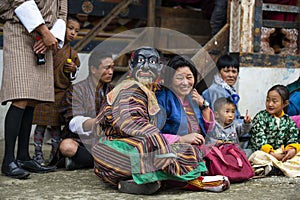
(66, 64)
(274, 137)
(226, 128)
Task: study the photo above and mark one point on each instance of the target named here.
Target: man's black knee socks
(13, 120)
(24, 134)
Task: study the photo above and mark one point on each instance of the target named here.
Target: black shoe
(71, 165)
(275, 172)
(131, 187)
(33, 166)
(14, 171)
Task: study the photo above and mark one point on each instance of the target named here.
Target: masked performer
(132, 153)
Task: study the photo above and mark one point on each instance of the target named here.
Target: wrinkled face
(274, 103)
(145, 65)
(229, 75)
(226, 114)
(183, 81)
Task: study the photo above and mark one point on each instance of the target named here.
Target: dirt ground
(83, 184)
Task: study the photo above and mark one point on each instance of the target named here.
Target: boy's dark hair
(175, 63)
(227, 61)
(74, 19)
(222, 101)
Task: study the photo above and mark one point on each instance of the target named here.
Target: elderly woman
(187, 115)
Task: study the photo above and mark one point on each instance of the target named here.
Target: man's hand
(48, 39)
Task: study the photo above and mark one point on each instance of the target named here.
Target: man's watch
(204, 105)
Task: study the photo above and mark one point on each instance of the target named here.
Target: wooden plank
(163, 12)
(151, 13)
(102, 24)
(280, 24)
(235, 26)
(247, 25)
(257, 25)
(297, 18)
(266, 60)
(206, 57)
(280, 8)
(187, 25)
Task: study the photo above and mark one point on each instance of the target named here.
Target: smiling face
(229, 75)
(145, 65)
(275, 103)
(183, 81)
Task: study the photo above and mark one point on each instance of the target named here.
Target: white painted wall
(252, 85)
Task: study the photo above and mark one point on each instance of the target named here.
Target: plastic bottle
(68, 61)
(40, 57)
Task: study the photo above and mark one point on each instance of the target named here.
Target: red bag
(229, 160)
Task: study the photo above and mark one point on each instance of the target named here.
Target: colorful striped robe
(130, 144)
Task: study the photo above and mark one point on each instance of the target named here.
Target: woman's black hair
(282, 91)
(227, 61)
(175, 63)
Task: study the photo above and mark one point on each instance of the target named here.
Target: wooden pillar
(151, 13)
(298, 20)
(257, 25)
(234, 14)
(247, 25)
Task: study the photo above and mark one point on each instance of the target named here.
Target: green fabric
(139, 178)
(266, 131)
(160, 175)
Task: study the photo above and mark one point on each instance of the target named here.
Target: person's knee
(68, 147)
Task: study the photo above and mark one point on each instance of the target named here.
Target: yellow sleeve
(267, 148)
(294, 145)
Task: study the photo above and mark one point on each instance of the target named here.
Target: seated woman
(185, 115)
(131, 152)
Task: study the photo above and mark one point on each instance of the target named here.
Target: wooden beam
(206, 57)
(280, 24)
(151, 13)
(280, 8)
(266, 60)
(247, 25)
(297, 18)
(257, 25)
(235, 25)
(101, 24)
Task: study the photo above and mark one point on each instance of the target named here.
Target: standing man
(80, 105)
(25, 82)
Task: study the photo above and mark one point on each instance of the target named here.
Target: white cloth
(59, 31)
(30, 15)
(76, 125)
